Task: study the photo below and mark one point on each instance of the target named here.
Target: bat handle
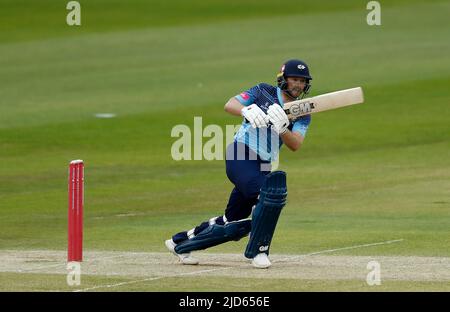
(269, 124)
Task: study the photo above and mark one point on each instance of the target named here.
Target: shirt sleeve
(301, 125)
(248, 97)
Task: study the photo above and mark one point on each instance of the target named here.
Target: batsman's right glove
(278, 118)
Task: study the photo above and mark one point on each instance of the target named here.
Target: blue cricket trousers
(247, 171)
(247, 175)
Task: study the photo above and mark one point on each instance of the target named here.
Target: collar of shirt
(280, 97)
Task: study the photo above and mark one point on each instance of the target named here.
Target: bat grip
(269, 124)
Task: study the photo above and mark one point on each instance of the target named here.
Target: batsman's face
(296, 85)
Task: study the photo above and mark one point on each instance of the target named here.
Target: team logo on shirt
(245, 96)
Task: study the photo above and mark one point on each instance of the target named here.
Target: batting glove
(278, 118)
(255, 115)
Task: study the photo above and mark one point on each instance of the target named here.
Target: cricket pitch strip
(148, 267)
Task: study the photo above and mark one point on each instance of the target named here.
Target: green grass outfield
(370, 173)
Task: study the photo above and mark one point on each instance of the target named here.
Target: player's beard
(295, 92)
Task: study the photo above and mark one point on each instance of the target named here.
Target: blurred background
(368, 173)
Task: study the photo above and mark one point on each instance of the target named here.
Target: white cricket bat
(323, 102)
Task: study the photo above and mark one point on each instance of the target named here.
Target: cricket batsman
(257, 191)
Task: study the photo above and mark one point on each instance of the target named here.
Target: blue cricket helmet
(294, 68)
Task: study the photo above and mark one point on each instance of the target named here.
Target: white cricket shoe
(261, 261)
(185, 258)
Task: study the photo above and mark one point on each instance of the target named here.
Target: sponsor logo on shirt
(245, 96)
